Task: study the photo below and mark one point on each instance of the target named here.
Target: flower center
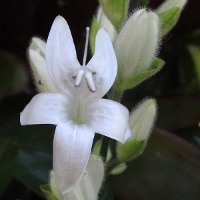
(87, 71)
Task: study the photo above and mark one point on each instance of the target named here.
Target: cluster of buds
(136, 42)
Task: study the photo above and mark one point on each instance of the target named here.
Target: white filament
(86, 46)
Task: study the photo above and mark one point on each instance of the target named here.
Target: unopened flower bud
(36, 54)
(106, 23)
(136, 47)
(141, 122)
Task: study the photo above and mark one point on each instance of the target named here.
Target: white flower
(77, 112)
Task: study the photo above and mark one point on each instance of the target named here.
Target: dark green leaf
(8, 153)
(168, 169)
(178, 112)
(13, 76)
(32, 169)
(34, 161)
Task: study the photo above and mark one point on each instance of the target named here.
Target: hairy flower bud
(36, 54)
(141, 122)
(136, 47)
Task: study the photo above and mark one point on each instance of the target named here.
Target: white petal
(104, 63)
(45, 108)
(91, 181)
(128, 133)
(61, 56)
(71, 150)
(110, 119)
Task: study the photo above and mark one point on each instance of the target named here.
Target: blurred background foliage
(170, 166)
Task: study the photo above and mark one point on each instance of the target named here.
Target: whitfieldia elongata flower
(77, 109)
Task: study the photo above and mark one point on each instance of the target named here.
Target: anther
(90, 82)
(79, 77)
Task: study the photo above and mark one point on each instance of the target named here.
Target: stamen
(79, 77)
(86, 46)
(90, 82)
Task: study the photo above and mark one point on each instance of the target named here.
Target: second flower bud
(136, 47)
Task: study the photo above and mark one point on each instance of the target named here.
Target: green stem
(104, 147)
(115, 95)
(112, 166)
(113, 145)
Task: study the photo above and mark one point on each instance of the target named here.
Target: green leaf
(143, 3)
(195, 54)
(46, 189)
(115, 10)
(32, 170)
(178, 112)
(34, 161)
(191, 134)
(13, 76)
(135, 80)
(168, 169)
(8, 153)
(169, 19)
(95, 26)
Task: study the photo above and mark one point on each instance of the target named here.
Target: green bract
(169, 13)
(115, 10)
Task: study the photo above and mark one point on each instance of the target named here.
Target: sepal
(169, 13)
(46, 189)
(136, 79)
(95, 26)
